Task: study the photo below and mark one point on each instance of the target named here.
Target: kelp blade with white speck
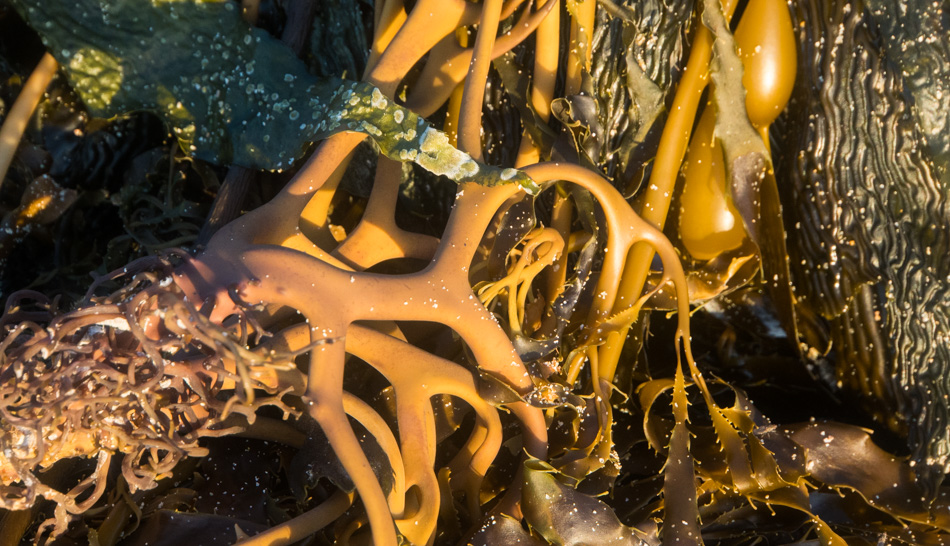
(229, 92)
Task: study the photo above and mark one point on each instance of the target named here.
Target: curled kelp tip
(76, 368)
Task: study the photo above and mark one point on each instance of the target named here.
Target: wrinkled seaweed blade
(865, 208)
(637, 51)
(829, 148)
(657, 38)
(339, 46)
(916, 39)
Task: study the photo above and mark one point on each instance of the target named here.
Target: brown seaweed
(499, 377)
(867, 221)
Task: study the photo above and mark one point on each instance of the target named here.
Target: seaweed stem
(26, 102)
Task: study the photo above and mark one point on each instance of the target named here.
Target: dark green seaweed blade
(868, 230)
(229, 92)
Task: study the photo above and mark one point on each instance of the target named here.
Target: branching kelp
(511, 376)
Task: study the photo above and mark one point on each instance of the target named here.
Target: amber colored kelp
(553, 272)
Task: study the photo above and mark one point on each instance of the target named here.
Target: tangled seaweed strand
(140, 372)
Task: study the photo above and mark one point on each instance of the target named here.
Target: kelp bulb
(709, 224)
(766, 44)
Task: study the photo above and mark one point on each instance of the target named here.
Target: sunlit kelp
(471, 383)
(867, 221)
(639, 49)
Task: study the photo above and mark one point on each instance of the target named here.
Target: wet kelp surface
(524, 273)
(873, 216)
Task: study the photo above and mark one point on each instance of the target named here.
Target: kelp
(866, 216)
(468, 381)
(546, 498)
(747, 162)
(919, 48)
(72, 407)
(230, 93)
(632, 89)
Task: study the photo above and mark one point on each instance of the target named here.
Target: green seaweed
(230, 93)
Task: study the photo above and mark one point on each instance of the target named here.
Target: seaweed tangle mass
(522, 272)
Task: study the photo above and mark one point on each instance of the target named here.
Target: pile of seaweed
(825, 335)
